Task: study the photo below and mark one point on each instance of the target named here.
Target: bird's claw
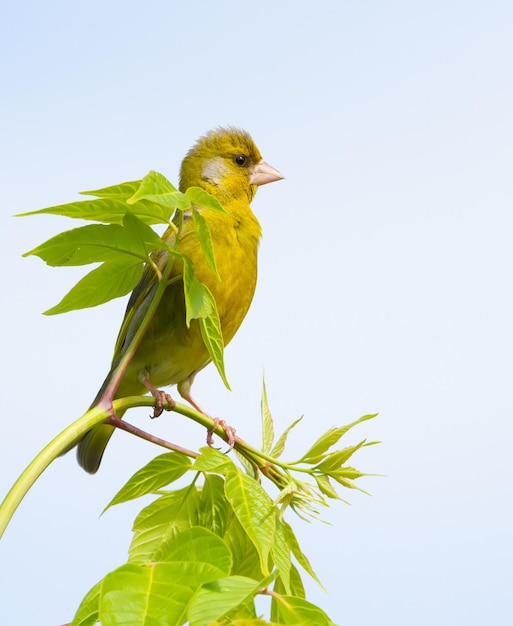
(229, 431)
(161, 399)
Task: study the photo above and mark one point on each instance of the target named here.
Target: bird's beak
(263, 173)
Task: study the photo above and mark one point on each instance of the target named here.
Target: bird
(227, 164)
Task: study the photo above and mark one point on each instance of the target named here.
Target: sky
(385, 280)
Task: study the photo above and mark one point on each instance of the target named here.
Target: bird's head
(226, 163)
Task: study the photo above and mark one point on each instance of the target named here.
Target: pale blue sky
(385, 277)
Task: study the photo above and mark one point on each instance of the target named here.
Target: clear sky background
(385, 278)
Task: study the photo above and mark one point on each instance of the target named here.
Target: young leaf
(156, 189)
(267, 422)
(216, 599)
(122, 191)
(205, 240)
(293, 611)
(198, 300)
(280, 552)
(99, 242)
(153, 593)
(203, 199)
(296, 584)
(336, 459)
(152, 184)
(278, 449)
(110, 280)
(330, 438)
(87, 613)
(211, 333)
(325, 487)
(158, 523)
(106, 210)
(254, 510)
(213, 512)
(295, 548)
(211, 460)
(246, 560)
(201, 545)
(159, 472)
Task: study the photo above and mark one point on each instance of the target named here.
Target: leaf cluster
(123, 243)
(202, 553)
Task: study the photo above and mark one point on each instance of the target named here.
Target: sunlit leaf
(293, 611)
(211, 333)
(99, 242)
(159, 472)
(122, 191)
(254, 510)
(297, 552)
(278, 449)
(159, 522)
(202, 198)
(87, 613)
(110, 280)
(329, 439)
(205, 240)
(267, 422)
(217, 598)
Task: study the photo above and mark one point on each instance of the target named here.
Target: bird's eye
(241, 159)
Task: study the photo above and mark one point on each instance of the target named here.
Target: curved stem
(70, 436)
(61, 444)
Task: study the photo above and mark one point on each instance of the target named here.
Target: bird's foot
(162, 398)
(229, 432)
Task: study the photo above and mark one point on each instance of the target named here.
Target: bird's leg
(184, 389)
(229, 432)
(160, 396)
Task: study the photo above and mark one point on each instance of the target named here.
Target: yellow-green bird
(227, 164)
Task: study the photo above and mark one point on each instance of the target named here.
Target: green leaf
(87, 613)
(198, 299)
(278, 449)
(155, 188)
(107, 210)
(267, 422)
(98, 242)
(210, 328)
(280, 552)
(325, 487)
(212, 460)
(152, 184)
(295, 611)
(159, 472)
(246, 560)
(110, 280)
(205, 239)
(254, 510)
(296, 584)
(122, 191)
(330, 438)
(336, 459)
(214, 511)
(153, 593)
(200, 304)
(158, 523)
(297, 552)
(203, 199)
(217, 598)
(200, 545)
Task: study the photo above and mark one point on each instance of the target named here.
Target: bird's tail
(91, 447)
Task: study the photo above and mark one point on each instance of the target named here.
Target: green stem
(61, 444)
